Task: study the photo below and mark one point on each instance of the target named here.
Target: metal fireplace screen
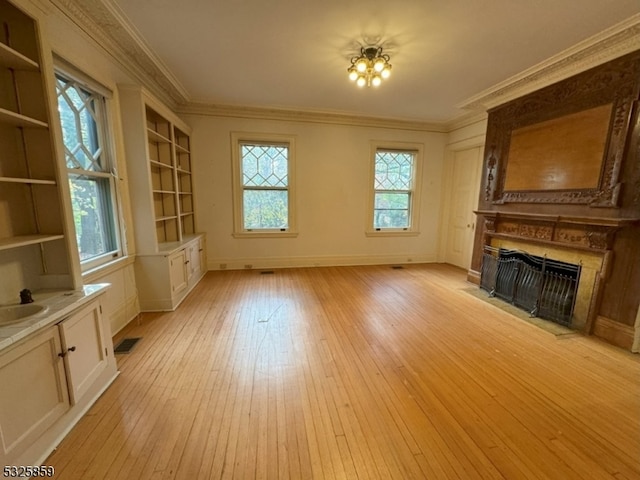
(543, 287)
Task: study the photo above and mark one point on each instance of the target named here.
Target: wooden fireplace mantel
(561, 174)
(582, 233)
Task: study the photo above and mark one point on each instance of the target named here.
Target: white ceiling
(293, 54)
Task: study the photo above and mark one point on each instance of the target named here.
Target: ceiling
(294, 54)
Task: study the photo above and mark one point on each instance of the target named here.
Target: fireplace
(544, 287)
(573, 247)
(561, 181)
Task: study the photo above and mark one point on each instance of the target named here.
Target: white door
(462, 201)
(178, 271)
(193, 266)
(33, 383)
(84, 350)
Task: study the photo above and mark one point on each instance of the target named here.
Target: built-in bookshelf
(184, 181)
(159, 161)
(170, 172)
(171, 256)
(31, 211)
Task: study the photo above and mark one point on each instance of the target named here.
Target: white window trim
(414, 228)
(238, 225)
(103, 261)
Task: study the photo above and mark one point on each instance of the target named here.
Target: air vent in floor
(126, 345)
(266, 272)
(397, 267)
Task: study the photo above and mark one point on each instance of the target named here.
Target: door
(33, 392)
(85, 354)
(193, 267)
(178, 271)
(462, 201)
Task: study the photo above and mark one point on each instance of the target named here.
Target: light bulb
(379, 65)
(376, 81)
(361, 82)
(353, 74)
(361, 65)
(386, 72)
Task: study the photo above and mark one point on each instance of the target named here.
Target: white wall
(332, 181)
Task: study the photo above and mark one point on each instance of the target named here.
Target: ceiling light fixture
(370, 67)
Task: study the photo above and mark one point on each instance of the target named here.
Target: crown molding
(288, 115)
(105, 23)
(465, 120)
(611, 43)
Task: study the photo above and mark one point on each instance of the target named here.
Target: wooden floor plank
(356, 373)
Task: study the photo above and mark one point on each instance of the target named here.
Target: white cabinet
(49, 379)
(33, 394)
(84, 349)
(196, 261)
(164, 279)
(178, 271)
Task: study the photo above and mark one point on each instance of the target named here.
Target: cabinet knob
(64, 354)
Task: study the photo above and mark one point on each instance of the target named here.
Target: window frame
(414, 198)
(108, 164)
(237, 140)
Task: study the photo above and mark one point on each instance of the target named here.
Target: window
(263, 192)
(90, 170)
(395, 189)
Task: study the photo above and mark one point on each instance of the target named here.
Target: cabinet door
(193, 267)
(178, 271)
(85, 355)
(33, 393)
(202, 252)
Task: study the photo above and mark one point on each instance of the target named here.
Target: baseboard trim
(329, 261)
(614, 332)
(473, 277)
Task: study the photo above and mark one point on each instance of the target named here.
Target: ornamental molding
(105, 23)
(287, 115)
(585, 233)
(607, 45)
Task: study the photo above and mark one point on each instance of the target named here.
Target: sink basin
(17, 313)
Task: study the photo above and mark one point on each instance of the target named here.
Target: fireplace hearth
(544, 287)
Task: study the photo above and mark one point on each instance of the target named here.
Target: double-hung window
(395, 189)
(90, 169)
(263, 185)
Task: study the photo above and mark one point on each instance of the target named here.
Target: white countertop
(59, 305)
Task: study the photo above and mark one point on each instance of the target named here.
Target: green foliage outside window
(393, 184)
(89, 179)
(265, 182)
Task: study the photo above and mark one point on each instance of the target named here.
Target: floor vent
(266, 272)
(397, 267)
(126, 345)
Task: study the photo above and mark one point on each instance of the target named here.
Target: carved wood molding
(579, 232)
(616, 82)
(612, 43)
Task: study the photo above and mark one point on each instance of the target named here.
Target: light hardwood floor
(356, 372)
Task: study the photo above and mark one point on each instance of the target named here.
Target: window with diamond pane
(90, 180)
(265, 186)
(393, 185)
